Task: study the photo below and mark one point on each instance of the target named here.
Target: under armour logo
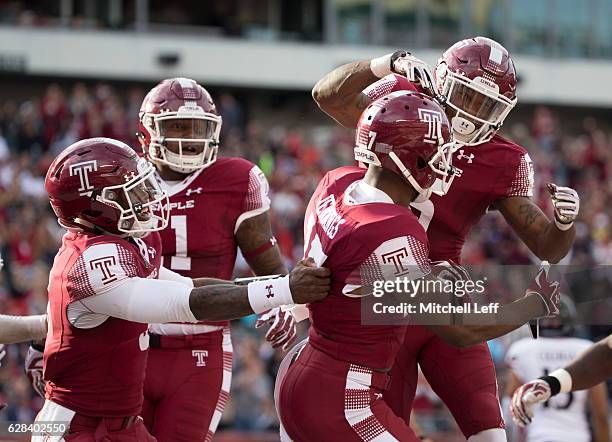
(395, 257)
(82, 170)
(273, 241)
(269, 289)
(103, 264)
(200, 355)
(197, 190)
(469, 157)
(434, 123)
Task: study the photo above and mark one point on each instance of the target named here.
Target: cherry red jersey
(207, 208)
(355, 236)
(487, 173)
(97, 368)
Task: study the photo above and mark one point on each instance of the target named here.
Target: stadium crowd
(33, 131)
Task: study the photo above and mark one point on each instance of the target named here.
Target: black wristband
(395, 56)
(553, 382)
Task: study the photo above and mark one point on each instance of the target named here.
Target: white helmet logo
(434, 122)
(82, 170)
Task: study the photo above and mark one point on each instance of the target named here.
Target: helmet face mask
(200, 133)
(142, 204)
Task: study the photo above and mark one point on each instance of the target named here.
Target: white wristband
(561, 226)
(381, 66)
(565, 379)
(267, 294)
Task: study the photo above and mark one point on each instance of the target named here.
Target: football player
(564, 417)
(107, 284)
(586, 371)
(476, 80)
(218, 205)
(355, 222)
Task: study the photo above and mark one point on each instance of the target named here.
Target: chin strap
(423, 194)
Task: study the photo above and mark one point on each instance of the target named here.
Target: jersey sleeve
(100, 268)
(386, 85)
(400, 257)
(257, 199)
(523, 182)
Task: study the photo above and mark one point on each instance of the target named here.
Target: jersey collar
(361, 192)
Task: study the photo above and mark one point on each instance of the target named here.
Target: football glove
(414, 69)
(549, 291)
(34, 369)
(450, 271)
(566, 205)
(282, 331)
(525, 398)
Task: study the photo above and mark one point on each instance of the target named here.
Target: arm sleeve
(144, 300)
(15, 329)
(168, 275)
(257, 199)
(523, 182)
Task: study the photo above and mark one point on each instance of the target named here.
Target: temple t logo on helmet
(408, 133)
(101, 186)
(179, 125)
(82, 170)
(477, 81)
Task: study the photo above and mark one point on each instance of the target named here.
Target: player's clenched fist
(308, 282)
(566, 204)
(524, 399)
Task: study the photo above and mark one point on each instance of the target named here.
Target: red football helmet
(408, 133)
(477, 79)
(179, 125)
(101, 185)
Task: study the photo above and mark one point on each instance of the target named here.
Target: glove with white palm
(282, 331)
(525, 398)
(34, 369)
(414, 69)
(566, 205)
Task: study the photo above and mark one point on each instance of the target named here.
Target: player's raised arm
(340, 92)
(587, 370)
(548, 240)
(15, 329)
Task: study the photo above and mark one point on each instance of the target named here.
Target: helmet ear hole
(421, 163)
